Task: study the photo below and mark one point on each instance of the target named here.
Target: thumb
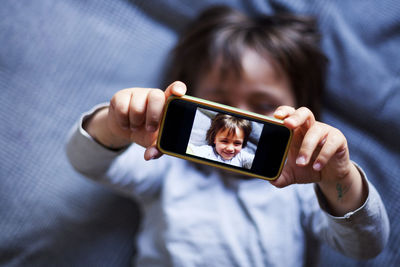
(281, 182)
(152, 153)
(176, 88)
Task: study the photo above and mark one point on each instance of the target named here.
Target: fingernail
(179, 88)
(279, 113)
(317, 166)
(301, 160)
(322, 142)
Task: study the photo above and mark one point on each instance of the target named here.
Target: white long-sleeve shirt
(197, 215)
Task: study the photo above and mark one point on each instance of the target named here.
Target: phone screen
(224, 138)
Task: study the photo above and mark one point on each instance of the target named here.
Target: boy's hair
(225, 121)
(220, 35)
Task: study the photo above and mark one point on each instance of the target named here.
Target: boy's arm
(97, 127)
(360, 233)
(124, 171)
(319, 154)
(85, 154)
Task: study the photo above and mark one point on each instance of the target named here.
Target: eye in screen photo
(224, 138)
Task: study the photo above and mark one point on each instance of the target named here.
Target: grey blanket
(58, 58)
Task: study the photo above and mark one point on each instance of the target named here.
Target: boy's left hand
(319, 154)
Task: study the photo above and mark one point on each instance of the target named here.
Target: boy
(225, 138)
(197, 215)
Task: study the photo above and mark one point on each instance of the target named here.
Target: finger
(283, 112)
(137, 108)
(301, 117)
(281, 182)
(119, 108)
(335, 144)
(152, 153)
(176, 88)
(155, 106)
(314, 137)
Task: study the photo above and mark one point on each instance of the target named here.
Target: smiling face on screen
(228, 144)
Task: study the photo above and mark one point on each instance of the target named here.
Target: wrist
(345, 174)
(97, 127)
(345, 193)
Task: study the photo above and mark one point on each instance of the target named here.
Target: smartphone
(225, 137)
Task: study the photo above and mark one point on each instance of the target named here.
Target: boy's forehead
(221, 71)
(251, 66)
(217, 80)
(238, 133)
(260, 79)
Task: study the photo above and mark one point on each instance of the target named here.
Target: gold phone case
(226, 108)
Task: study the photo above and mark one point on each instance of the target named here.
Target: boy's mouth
(228, 155)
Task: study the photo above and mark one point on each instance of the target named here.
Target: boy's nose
(230, 148)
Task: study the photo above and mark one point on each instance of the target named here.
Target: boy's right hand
(134, 115)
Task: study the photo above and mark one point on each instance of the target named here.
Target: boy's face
(261, 88)
(229, 145)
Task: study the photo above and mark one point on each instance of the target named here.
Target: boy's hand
(134, 115)
(318, 151)
(319, 154)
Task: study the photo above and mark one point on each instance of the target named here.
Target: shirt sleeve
(360, 234)
(246, 159)
(124, 171)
